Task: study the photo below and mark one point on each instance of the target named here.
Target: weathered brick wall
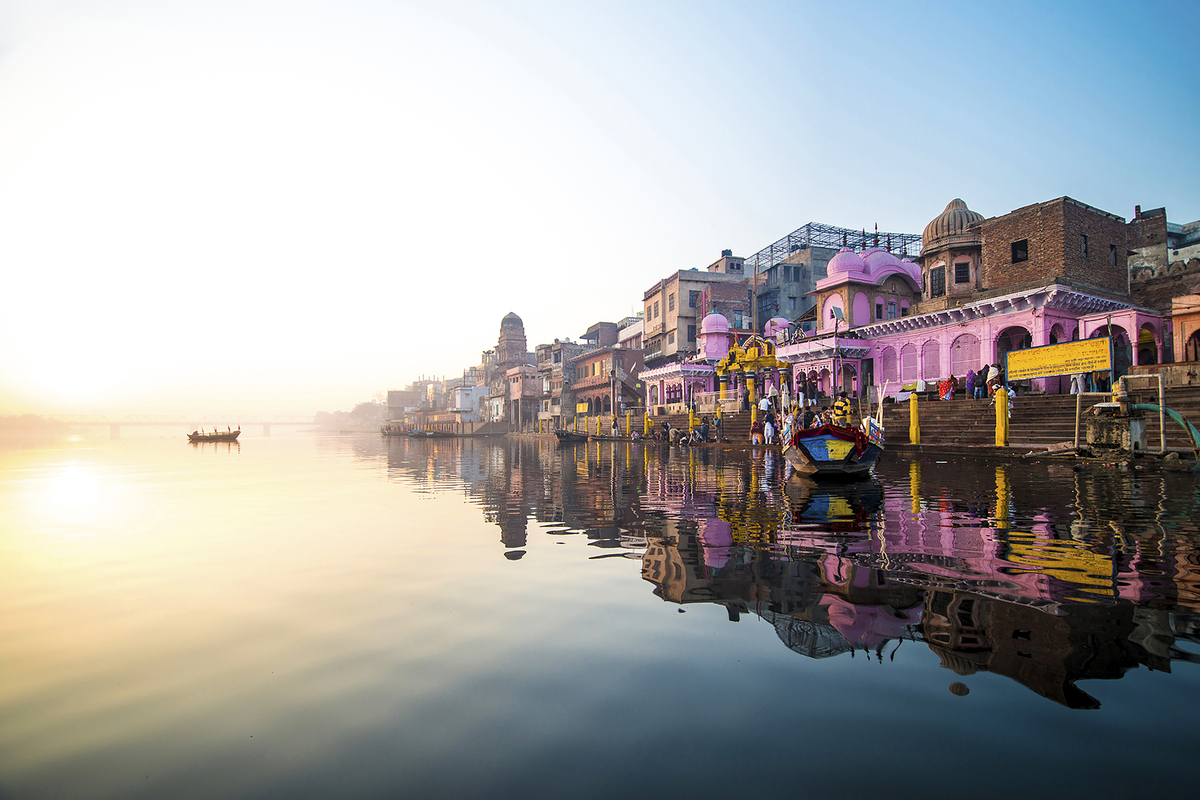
(1053, 230)
(1104, 231)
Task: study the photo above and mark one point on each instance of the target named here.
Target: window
(937, 281)
(892, 308)
(879, 311)
(962, 272)
(791, 304)
(737, 319)
(1112, 254)
(1020, 251)
(691, 333)
(693, 299)
(558, 357)
(671, 302)
(656, 309)
(1083, 245)
(671, 337)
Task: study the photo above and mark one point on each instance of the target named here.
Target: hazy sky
(283, 207)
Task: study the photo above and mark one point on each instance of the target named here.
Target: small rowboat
(837, 452)
(833, 451)
(570, 436)
(228, 436)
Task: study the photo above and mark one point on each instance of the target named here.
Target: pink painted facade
(882, 344)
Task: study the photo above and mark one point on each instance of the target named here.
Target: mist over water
(323, 615)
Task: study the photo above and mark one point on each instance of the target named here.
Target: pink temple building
(1047, 273)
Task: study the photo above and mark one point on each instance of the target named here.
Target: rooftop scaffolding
(814, 234)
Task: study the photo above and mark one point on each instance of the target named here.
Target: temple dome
(715, 323)
(876, 258)
(846, 261)
(952, 226)
(511, 322)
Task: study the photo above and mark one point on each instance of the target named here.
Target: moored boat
(570, 436)
(837, 452)
(833, 451)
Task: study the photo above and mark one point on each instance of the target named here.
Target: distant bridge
(192, 423)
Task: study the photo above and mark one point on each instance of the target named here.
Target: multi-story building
(673, 309)
(605, 376)
(524, 390)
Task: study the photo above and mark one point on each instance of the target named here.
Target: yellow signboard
(581, 408)
(1059, 359)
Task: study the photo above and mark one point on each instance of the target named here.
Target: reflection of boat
(228, 436)
(838, 507)
(835, 452)
(571, 436)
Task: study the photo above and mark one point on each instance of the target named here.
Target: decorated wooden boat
(837, 452)
(215, 436)
(833, 451)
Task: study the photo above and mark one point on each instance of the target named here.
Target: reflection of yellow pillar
(1001, 418)
(1003, 497)
(914, 420)
(628, 423)
(914, 484)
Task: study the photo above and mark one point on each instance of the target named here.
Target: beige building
(673, 307)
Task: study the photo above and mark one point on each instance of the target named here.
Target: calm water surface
(349, 616)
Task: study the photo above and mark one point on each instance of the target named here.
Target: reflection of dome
(715, 323)
(511, 322)
(951, 227)
(846, 260)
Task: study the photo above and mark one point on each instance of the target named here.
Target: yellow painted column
(914, 420)
(750, 390)
(646, 423)
(598, 431)
(1001, 417)
(691, 420)
(723, 386)
(629, 423)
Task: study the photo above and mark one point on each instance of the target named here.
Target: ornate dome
(952, 226)
(511, 322)
(715, 323)
(876, 258)
(845, 261)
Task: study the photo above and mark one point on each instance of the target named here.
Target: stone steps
(1037, 420)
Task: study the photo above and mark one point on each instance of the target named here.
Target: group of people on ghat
(977, 385)
(799, 416)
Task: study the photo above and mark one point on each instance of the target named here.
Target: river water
(353, 616)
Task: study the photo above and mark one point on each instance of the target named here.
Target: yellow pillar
(629, 423)
(1001, 417)
(691, 420)
(723, 386)
(598, 431)
(914, 421)
(646, 423)
(750, 390)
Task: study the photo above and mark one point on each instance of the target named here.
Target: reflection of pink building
(1048, 273)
